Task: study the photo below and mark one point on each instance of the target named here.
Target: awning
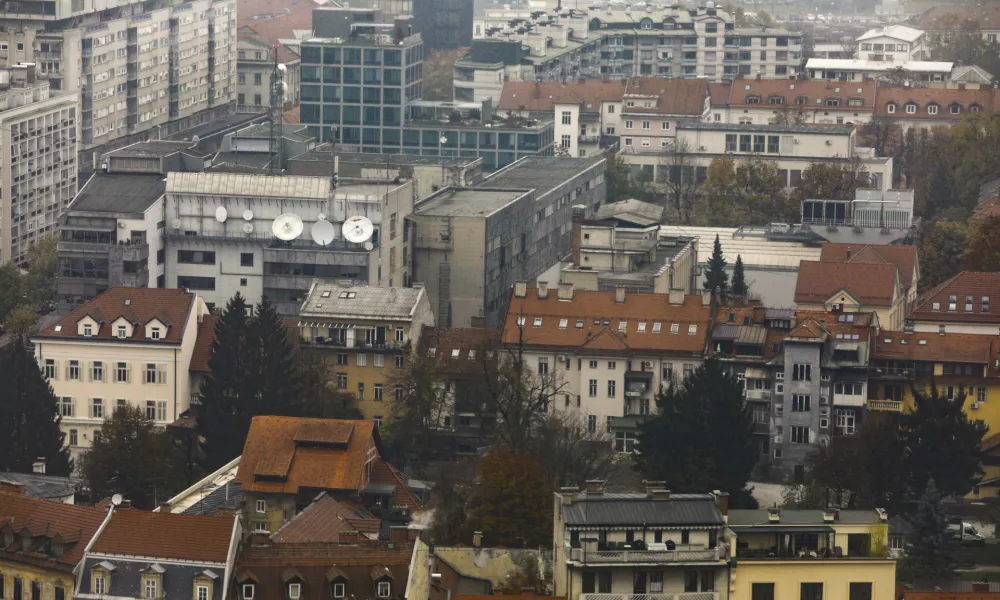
(848, 346)
(781, 529)
(755, 373)
(638, 374)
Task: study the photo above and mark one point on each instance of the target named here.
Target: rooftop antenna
(276, 114)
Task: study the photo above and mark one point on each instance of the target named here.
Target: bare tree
(879, 132)
(678, 178)
(570, 451)
(790, 115)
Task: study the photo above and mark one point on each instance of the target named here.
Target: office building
(362, 85)
(39, 132)
(444, 24)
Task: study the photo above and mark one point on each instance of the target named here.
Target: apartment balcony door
(638, 582)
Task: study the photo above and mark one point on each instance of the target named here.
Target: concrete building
(347, 325)
(471, 244)
(897, 44)
(925, 108)
(962, 304)
(855, 70)
(652, 110)
(444, 24)
(248, 149)
(126, 347)
(135, 66)
(39, 133)
(257, 52)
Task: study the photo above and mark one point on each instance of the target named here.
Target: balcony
(681, 596)
(897, 372)
(759, 395)
(848, 400)
(888, 405)
(624, 557)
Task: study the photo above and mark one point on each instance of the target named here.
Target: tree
(419, 414)
(930, 551)
(26, 294)
(671, 446)
(133, 458)
(29, 416)
(679, 179)
(716, 278)
(277, 380)
(882, 133)
(832, 180)
(744, 192)
(439, 73)
(790, 115)
(941, 443)
(740, 288)
(321, 400)
(514, 500)
(982, 251)
(620, 183)
(941, 251)
(570, 452)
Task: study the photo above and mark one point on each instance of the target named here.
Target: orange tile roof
(203, 538)
(542, 96)
(950, 347)
(871, 284)
(967, 283)
(673, 96)
(325, 519)
(600, 319)
(47, 519)
(859, 324)
(790, 90)
(383, 472)
(987, 209)
(363, 554)
(719, 92)
(904, 257)
(943, 97)
(170, 306)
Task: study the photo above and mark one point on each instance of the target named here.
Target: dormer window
(833, 101)
(247, 591)
(955, 109)
(776, 100)
(149, 587)
(753, 99)
(25, 541)
(932, 109)
(154, 333)
(911, 108)
(294, 591)
(122, 331)
(974, 108)
(890, 108)
(88, 330)
(99, 585)
(384, 589)
(339, 590)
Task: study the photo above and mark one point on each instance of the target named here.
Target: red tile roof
(923, 97)
(47, 519)
(445, 341)
(871, 284)
(961, 286)
(719, 92)
(542, 96)
(594, 320)
(363, 554)
(950, 347)
(201, 538)
(138, 305)
(383, 472)
(673, 96)
(814, 93)
(987, 209)
(325, 519)
(904, 257)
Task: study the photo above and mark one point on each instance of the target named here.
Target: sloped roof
(638, 509)
(543, 96)
(492, 564)
(37, 485)
(325, 519)
(200, 538)
(170, 306)
(323, 555)
(75, 524)
(950, 347)
(386, 474)
(959, 16)
(631, 206)
(944, 98)
(871, 284)
(673, 96)
(967, 283)
(903, 257)
(815, 92)
(899, 32)
(751, 517)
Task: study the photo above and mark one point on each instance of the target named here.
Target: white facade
(896, 44)
(860, 70)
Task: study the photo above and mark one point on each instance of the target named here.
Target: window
(341, 358)
(97, 408)
(811, 591)
(261, 506)
(100, 584)
(362, 359)
(567, 141)
(294, 591)
(377, 388)
(567, 117)
(624, 442)
(246, 259)
(844, 421)
(122, 332)
(611, 388)
(196, 257)
(202, 592)
(800, 435)
(628, 124)
(890, 108)
(154, 333)
(88, 331)
(50, 368)
(593, 364)
(911, 109)
(155, 374)
(800, 403)
(74, 370)
(384, 589)
(338, 590)
(156, 410)
(593, 388)
(801, 372)
(932, 109)
(401, 360)
(60, 593)
(543, 366)
(591, 423)
(121, 403)
(612, 365)
(66, 406)
(762, 591)
(645, 124)
(149, 588)
(73, 441)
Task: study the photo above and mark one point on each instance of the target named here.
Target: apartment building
(656, 542)
(287, 461)
(854, 70)
(126, 347)
(961, 304)
(136, 66)
(924, 108)
(257, 51)
(364, 334)
(471, 244)
(904, 258)
(652, 110)
(39, 133)
(896, 44)
(799, 102)
(608, 353)
(853, 287)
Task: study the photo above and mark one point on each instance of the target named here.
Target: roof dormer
(156, 329)
(122, 329)
(88, 326)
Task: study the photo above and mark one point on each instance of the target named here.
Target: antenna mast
(276, 114)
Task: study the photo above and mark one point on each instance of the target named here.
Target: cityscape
(543, 299)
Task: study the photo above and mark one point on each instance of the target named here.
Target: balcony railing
(886, 372)
(758, 395)
(890, 405)
(594, 557)
(681, 596)
(848, 400)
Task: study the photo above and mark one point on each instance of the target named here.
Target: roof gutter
(78, 569)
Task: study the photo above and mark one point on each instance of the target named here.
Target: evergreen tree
(29, 416)
(716, 278)
(740, 288)
(278, 382)
(930, 553)
(672, 447)
(133, 458)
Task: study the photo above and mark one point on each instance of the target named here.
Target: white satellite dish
(248, 228)
(358, 229)
(287, 227)
(369, 245)
(117, 499)
(323, 232)
(175, 224)
(247, 215)
(321, 217)
(221, 214)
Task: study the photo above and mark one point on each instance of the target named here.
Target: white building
(896, 44)
(39, 133)
(851, 69)
(127, 347)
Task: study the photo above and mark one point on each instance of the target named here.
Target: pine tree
(278, 382)
(930, 553)
(740, 288)
(716, 278)
(29, 416)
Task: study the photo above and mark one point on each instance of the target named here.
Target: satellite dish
(323, 232)
(248, 228)
(117, 499)
(175, 224)
(221, 214)
(247, 214)
(282, 68)
(287, 227)
(369, 245)
(358, 229)
(321, 217)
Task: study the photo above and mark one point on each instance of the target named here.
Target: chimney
(620, 294)
(675, 297)
(882, 515)
(568, 495)
(848, 253)
(653, 486)
(520, 289)
(576, 240)
(595, 486)
(565, 291)
(774, 515)
(722, 501)
(477, 539)
(706, 298)
(829, 515)
(349, 537)
(543, 290)
(38, 466)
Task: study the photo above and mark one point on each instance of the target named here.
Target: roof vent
(774, 514)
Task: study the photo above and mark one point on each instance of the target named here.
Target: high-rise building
(136, 65)
(38, 158)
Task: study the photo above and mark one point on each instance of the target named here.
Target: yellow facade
(48, 579)
(836, 575)
(982, 402)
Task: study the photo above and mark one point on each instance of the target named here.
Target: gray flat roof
(119, 193)
(823, 129)
(324, 154)
(153, 148)
(327, 299)
(540, 173)
(467, 202)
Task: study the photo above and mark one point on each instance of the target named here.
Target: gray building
(248, 150)
(471, 244)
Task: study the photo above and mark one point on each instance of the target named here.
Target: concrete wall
(49, 579)
(793, 454)
(449, 259)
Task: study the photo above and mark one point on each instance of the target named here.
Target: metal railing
(646, 556)
(680, 596)
(890, 405)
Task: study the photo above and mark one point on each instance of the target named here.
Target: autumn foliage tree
(514, 500)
